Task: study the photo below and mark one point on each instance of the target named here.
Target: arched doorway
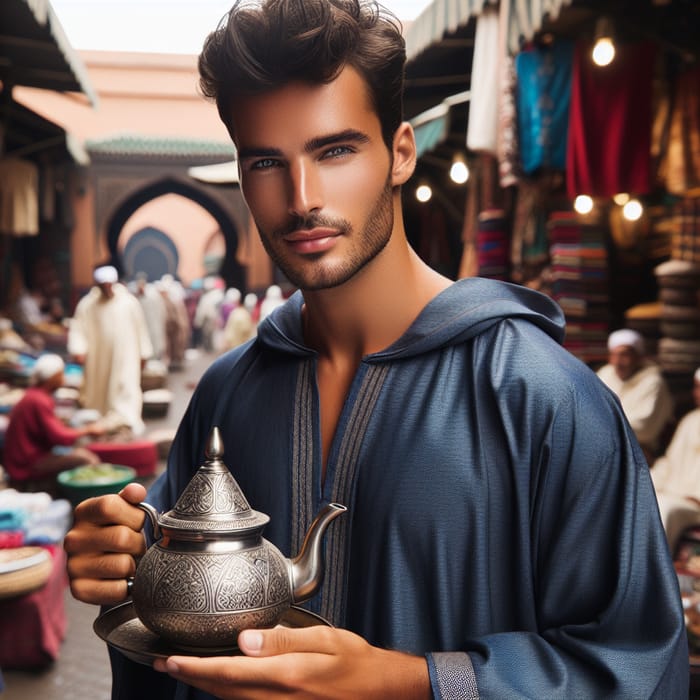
(231, 270)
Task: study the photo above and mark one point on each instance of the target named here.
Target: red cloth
(33, 430)
(142, 455)
(33, 626)
(609, 140)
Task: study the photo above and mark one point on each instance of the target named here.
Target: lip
(316, 240)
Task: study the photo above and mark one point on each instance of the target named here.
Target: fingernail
(252, 640)
(171, 666)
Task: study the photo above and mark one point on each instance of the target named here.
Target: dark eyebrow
(310, 146)
(322, 141)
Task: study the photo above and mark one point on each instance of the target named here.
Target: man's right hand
(103, 545)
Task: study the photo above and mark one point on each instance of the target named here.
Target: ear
(404, 150)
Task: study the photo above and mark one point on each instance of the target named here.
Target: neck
(374, 308)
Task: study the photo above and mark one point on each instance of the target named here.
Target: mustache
(312, 221)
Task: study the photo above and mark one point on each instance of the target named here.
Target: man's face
(625, 360)
(316, 176)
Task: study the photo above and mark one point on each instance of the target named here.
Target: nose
(305, 190)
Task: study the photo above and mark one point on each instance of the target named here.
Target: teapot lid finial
(215, 445)
(213, 500)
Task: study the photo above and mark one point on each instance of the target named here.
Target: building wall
(148, 95)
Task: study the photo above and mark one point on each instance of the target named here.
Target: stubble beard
(314, 273)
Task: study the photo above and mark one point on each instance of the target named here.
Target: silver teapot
(211, 573)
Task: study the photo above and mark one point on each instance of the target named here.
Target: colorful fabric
(543, 95)
(609, 138)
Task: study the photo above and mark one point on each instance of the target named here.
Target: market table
(33, 626)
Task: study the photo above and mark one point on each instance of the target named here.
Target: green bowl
(94, 480)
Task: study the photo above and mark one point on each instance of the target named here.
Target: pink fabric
(32, 627)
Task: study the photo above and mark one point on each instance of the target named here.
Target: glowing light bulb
(424, 193)
(459, 172)
(603, 51)
(633, 210)
(583, 204)
(621, 199)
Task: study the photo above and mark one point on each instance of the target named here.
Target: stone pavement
(82, 671)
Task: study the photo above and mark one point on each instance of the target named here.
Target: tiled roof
(170, 146)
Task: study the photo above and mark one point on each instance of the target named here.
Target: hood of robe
(462, 311)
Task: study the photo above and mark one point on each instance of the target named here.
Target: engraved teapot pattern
(210, 573)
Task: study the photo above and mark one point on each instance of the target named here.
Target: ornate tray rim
(143, 646)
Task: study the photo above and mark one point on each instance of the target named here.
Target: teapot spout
(307, 566)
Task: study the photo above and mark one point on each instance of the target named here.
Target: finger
(283, 640)
(88, 539)
(113, 509)
(96, 592)
(216, 675)
(101, 566)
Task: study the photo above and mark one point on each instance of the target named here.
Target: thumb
(133, 493)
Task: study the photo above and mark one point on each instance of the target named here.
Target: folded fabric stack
(679, 346)
(685, 237)
(32, 518)
(492, 243)
(646, 320)
(580, 283)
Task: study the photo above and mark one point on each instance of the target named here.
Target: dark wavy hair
(259, 47)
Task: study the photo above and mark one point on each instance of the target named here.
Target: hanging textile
(543, 98)
(19, 197)
(482, 128)
(681, 169)
(610, 127)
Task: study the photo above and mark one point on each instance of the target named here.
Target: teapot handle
(152, 514)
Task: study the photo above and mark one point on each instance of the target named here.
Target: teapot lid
(213, 500)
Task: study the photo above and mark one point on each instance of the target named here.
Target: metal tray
(122, 630)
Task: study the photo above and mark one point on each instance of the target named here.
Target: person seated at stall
(37, 444)
(676, 474)
(641, 388)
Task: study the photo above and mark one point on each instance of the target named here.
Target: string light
(633, 210)
(604, 48)
(583, 204)
(424, 193)
(459, 172)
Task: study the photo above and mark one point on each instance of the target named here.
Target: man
(502, 538)
(676, 474)
(154, 312)
(641, 388)
(37, 444)
(109, 336)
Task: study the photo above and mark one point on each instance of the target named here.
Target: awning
(34, 50)
(526, 17)
(29, 135)
(441, 17)
(432, 127)
(217, 174)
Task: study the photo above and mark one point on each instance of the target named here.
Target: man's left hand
(313, 662)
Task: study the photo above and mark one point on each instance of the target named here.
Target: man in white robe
(109, 336)
(676, 475)
(641, 388)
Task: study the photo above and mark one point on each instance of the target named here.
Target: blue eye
(264, 164)
(337, 151)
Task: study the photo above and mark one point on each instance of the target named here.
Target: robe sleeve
(605, 595)
(77, 336)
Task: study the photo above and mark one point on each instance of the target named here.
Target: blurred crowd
(66, 380)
